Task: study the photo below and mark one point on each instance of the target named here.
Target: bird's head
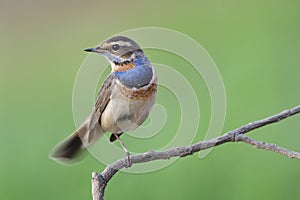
(119, 51)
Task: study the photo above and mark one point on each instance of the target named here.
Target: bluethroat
(124, 101)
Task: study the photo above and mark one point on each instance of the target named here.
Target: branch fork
(100, 181)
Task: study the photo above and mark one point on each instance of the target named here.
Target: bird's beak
(94, 49)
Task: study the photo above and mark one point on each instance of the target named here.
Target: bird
(124, 101)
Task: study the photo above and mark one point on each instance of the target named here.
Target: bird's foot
(128, 160)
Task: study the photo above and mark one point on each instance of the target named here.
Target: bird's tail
(68, 149)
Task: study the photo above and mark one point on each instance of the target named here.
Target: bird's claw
(127, 159)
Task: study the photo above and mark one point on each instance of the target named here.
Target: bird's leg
(128, 157)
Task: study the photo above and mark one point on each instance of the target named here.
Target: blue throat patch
(138, 76)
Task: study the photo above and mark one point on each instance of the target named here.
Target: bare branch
(269, 147)
(99, 181)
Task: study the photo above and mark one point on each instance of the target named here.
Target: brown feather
(90, 131)
(69, 147)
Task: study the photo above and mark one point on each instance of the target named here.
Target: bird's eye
(115, 47)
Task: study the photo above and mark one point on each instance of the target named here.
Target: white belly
(123, 114)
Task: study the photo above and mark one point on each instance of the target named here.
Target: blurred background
(255, 45)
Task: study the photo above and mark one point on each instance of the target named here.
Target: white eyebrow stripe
(122, 43)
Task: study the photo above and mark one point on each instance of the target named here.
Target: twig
(269, 147)
(99, 181)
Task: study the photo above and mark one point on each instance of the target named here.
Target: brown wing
(103, 99)
(105, 93)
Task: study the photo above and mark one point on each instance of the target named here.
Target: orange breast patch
(122, 68)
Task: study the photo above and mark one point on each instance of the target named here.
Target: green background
(255, 45)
